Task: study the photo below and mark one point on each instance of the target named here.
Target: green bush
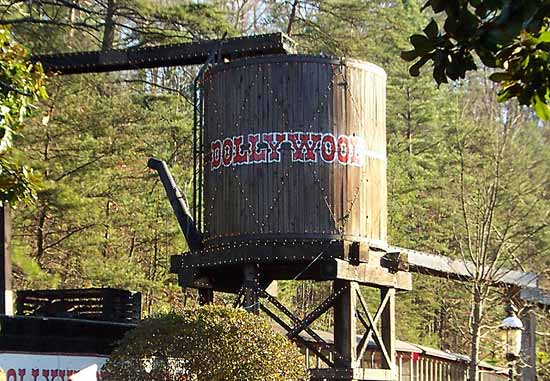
(206, 344)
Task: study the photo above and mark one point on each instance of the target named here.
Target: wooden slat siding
(363, 88)
(296, 174)
(327, 171)
(299, 83)
(285, 196)
(278, 121)
(311, 117)
(337, 124)
(255, 180)
(207, 83)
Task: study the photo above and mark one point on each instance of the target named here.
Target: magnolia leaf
(541, 108)
(432, 30)
(409, 55)
(510, 91)
(438, 5)
(414, 70)
(421, 44)
(500, 77)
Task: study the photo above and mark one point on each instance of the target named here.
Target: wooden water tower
(293, 186)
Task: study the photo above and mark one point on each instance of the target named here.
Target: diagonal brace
(305, 343)
(316, 313)
(294, 318)
(370, 325)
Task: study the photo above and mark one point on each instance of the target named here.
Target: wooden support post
(345, 324)
(6, 293)
(388, 328)
(529, 345)
(206, 296)
(251, 284)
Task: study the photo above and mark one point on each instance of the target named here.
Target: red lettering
(328, 148)
(257, 155)
(306, 146)
(11, 375)
(239, 157)
(215, 151)
(274, 140)
(227, 152)
(295, 138)
(343, 149)
(310, 142)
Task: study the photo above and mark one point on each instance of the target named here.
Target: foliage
(21, 86)
(512, 36)
(206, 344)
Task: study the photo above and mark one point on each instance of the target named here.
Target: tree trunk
(292, 17)
(109, 30)
(73, 16)
(477, 316)
(40, 233)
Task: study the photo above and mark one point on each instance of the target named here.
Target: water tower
(292, 185)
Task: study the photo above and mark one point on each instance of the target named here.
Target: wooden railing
(104, 304)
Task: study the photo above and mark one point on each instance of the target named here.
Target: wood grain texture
(292, 198)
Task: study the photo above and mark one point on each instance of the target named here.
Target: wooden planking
(288, 198)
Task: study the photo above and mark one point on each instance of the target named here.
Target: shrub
(206, 344)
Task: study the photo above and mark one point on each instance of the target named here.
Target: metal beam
(193, 53)
(446, 267)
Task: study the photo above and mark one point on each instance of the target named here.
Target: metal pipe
(198, 133)
(179, 205)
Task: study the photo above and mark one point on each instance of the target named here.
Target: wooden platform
(220, 269)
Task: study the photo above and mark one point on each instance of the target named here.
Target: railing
(103, 304)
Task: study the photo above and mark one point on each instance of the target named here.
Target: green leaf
(439, 74)
(508, 92)
(544, 37)
(500, 77)
(451, 26)
(414, 70)
(541, 108)
(409, 55)
(438, 5)
(421, 44)
(486, 56)
(432, 30)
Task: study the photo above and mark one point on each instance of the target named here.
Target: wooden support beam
(192, 53)
(317, 312)
(6, 292)
(529, 345)
(206, 296)
(371, 328)
(388, 329)
(295, 320)
(303, 342)
(345, 323)
(251, 285)
(370, 274)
